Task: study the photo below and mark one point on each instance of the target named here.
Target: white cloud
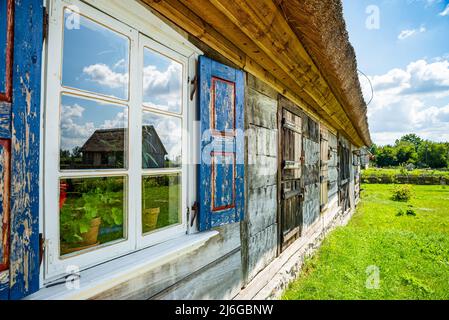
(414, 99)
(75, 130)
(163, 88)
(419, 77)
(404, 34)
(445, 12)
(103, 75)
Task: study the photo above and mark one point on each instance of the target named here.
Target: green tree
(386, 156)
(406, 152)
(411, 138)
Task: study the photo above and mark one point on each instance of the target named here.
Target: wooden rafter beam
(298, 81)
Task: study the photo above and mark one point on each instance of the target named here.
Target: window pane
(160, 201)
(93, 134)
(161, 141)
(95, 58)
(91, 212)
(162, 82)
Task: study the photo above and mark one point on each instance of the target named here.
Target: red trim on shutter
(7, 95)
(6, 145)
(229, 206)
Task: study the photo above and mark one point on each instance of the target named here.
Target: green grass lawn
(410, 252)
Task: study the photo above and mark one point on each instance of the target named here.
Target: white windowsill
(105, 276)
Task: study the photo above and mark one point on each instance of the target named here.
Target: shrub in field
(402, 192)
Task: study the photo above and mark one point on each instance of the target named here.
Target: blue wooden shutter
(221, 174)
(20, 87)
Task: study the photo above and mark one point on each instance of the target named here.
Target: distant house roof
(113, 140)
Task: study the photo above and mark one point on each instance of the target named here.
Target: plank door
(291, 169)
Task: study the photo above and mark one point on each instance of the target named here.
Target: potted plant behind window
(81, 220)
(150, 216)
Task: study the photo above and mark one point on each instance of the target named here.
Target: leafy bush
(402, 192)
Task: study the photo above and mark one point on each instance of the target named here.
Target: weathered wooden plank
(5, 151)
(5, 120)
(262, 209)
(6, 47)
(155, 281)
(262, 249)
(261, 110)
(4, 285)
(262, 171)
(222, 280)
(311, 205)
(312, 162)
(262, 141)
(261, 87)
(25, 128)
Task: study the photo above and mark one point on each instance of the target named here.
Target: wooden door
(291, 184)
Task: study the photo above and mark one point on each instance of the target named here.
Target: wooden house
(257, 105)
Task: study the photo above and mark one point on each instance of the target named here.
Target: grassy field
(411, 252)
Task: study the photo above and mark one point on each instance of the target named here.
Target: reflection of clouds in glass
(77, 125)
(73, 134)
(162, 82)
(95, 59)
(169, 131)
(104, 76)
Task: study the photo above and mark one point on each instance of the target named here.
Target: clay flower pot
(149, 218)
(91, 236)
(90, 239)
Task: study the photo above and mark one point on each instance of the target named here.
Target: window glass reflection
(92, 134)
(95, 58)
(91, 212)
(161, 141)
(162, 79)
(160, 201)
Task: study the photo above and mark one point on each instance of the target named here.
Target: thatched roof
(321, 28)
(105, 140)
(113, 140)
(299, 47)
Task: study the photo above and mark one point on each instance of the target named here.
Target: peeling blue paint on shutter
(25, 132)
(221, 173)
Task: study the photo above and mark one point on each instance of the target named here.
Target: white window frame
(136, 22)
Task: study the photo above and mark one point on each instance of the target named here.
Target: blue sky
(407, 60)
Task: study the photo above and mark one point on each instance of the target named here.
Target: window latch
(41, 248)
(193, 82)
(195, 212)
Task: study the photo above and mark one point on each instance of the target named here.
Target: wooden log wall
(259, 233)
(213, 271)
(333, 171)
(311, 175)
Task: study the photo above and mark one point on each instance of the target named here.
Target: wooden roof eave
(284, 66)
